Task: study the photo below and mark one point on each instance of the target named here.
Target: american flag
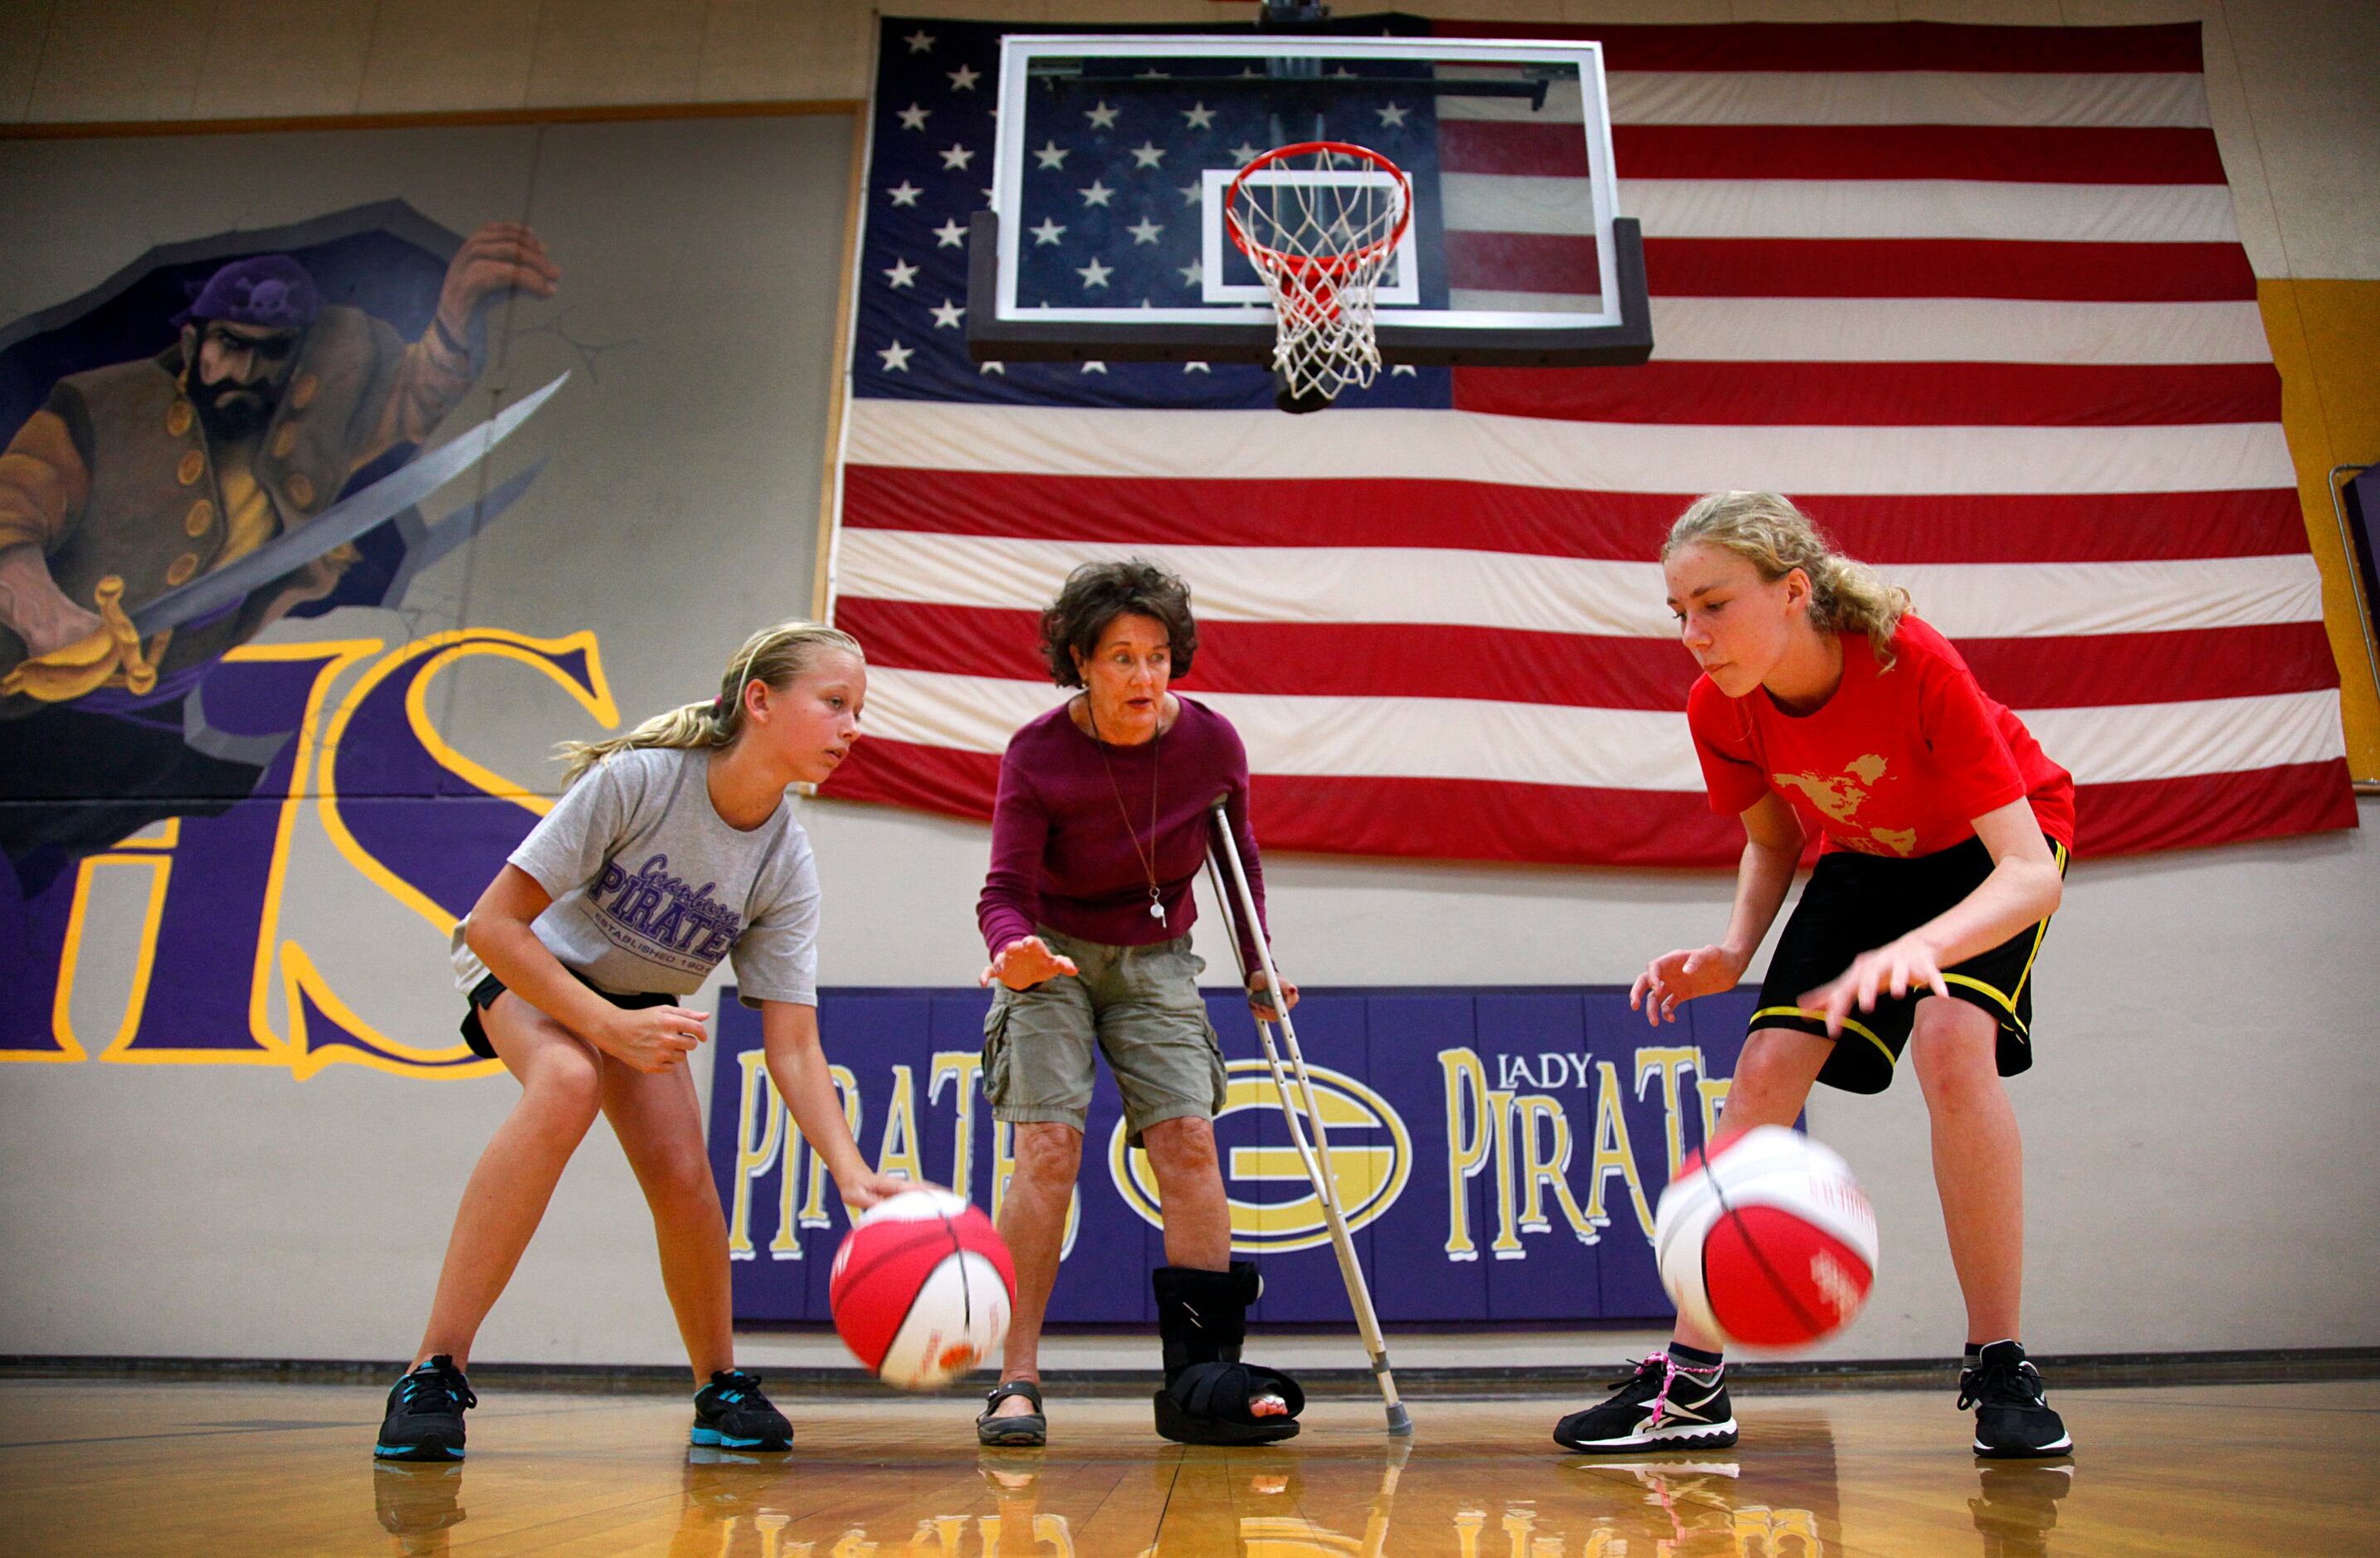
(1974, 295)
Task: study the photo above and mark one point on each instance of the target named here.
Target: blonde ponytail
(1768, 531)
(775, 655)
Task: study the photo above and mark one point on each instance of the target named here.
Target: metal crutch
(1241, 904)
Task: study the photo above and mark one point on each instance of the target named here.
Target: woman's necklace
(1156, 753)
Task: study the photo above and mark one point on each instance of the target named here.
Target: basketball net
(1321, 221)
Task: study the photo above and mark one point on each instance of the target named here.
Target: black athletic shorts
(1855, 904)
(484, 993)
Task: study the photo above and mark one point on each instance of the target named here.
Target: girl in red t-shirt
(1824, 704)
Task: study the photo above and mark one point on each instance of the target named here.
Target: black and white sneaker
(2013, 1420)
(1664, 1405)
(730, 1413)
(425, 1413)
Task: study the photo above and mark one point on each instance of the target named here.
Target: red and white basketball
(922, 1288)
(1766, 1241)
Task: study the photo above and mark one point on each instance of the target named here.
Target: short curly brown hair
(1097, 594)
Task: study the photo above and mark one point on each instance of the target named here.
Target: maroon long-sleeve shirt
(1060, 852)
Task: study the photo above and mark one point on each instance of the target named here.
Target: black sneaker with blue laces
(425, 1413)
(2013, 1420)
(731, 1414)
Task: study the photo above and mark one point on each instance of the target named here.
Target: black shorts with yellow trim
(1855, 904)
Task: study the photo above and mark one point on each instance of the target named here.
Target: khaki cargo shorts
(1139, 1005)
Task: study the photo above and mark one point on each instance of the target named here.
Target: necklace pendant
(1156, 910)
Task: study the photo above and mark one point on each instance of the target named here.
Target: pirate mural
(157, 513)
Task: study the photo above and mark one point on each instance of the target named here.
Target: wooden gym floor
(231, 1468)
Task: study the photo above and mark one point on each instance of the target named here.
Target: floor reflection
(1271, 1502)
(417, 1504)
(92, 1470)
(2017, 1507)
(1277, 1502)
(1778, 1501)
(734, 1504)
(1347, 1498)
(1019, 1525)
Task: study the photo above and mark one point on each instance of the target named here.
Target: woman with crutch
(1099, 831)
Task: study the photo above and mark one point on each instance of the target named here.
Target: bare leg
(1978, 1160)
(560, 1090)
(1772, 1082)
(659, 1126)
(1033, 1221)
(1190, 1188)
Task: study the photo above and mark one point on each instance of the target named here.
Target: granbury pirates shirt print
(663, 918)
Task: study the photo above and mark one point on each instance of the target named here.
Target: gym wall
(279, 1183)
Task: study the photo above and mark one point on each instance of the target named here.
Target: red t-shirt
(1900, 761)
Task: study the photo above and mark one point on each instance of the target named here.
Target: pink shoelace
(1670, 1369)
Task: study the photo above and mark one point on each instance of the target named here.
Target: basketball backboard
(1106, 236)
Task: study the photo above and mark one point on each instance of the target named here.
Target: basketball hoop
(1321, 221)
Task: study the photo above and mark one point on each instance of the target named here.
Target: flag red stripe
(1493, 262)
(2101, 669)
(1310, 660)
(1446, 819)
(1855, 46)
(2174, 814)
(1486, 819)
(1919, 268)
(1881, 394)
(1480, 819)
(2021, 154)
(1627, 526)
(1436, 661)
(934, 778)
(1553, 150)
(1554, 262)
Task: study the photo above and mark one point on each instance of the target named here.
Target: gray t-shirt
(651, 887)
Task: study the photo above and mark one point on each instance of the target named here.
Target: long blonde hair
(774, 655)
(1768, 531)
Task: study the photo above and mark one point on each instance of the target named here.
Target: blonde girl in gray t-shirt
(674, 846)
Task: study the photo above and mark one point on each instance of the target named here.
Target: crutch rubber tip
(1400, 1422)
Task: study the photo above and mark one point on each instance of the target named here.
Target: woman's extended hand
(1022, 964)
(655, 1038)
(1680, 976)
(1260, 999)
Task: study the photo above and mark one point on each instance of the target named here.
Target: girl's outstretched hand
(655, 1038)
(1022, 964)
(1900, 967)
(1680, 976)
(868, 1187)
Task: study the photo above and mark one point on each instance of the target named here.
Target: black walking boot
(1209, 1397)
